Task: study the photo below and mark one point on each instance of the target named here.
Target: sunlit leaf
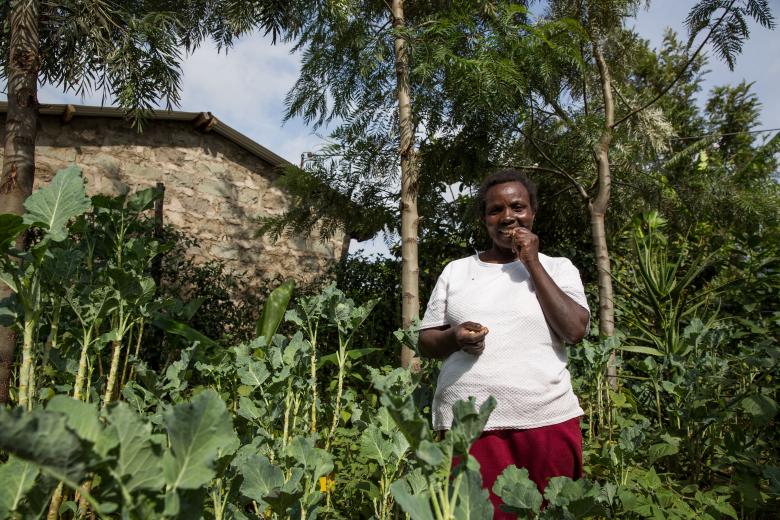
(52, 206)
(199, 432)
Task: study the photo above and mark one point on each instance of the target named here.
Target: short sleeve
(436, 310)
(567, 277)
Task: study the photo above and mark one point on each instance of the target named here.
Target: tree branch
(680, 73)
(556, 168)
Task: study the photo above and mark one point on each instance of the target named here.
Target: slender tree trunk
(598, 211)
(410, 306)
(18, 142)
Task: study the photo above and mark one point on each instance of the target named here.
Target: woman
(499, 320)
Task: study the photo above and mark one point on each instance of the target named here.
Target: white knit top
(524, 362)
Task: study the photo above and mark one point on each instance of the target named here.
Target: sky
(245, 87)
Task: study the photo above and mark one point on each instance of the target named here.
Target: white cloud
(244, 88)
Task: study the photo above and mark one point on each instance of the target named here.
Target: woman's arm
(440, 342)
(568, 319)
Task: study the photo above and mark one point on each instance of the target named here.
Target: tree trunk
(598, 210)
(410, 306)
(19, 142)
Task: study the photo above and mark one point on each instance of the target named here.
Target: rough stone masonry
(217, 183)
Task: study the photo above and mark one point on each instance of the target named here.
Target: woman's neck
(498, 255)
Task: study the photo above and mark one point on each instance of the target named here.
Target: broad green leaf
(137, 466)
(18, 478)
(519, 493)
(416, 505)
(580, 497)
(199, 432)
(473, 500)
(468, 423)
(399, 444)
(249, 410)
(662, 449)
(9, 280)
(374, 446)
(143, 199)
(52, 206)
(82, 417)
(761, 408)
(43, 438)
(431, 453)
(253, 373)
(317, 462)
(274, 309)
(261, 478)
(10, 227)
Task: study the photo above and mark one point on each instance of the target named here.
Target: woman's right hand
(470, 337)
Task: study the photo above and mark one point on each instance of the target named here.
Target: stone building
(218, 182)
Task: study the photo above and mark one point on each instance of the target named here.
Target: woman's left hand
(525, 245)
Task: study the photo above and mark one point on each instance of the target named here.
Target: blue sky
(245, 87)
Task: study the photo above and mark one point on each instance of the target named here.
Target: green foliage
(730, 31)
(274, 309)
(242, 430)
(132, 51)
(52, 207)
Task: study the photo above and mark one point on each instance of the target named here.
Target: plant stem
(286, 426)
(123, 377)
(79, 384)
(112, 373)
(339, 390)
(27, 361)
(56, 502)
(313, 341)
(137, 351)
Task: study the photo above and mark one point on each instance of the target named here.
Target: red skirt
(546, 452)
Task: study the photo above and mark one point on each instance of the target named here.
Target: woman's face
(507, 206)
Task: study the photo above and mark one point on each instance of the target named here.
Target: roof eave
(229, 133)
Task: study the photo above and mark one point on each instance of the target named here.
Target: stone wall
(214, 189)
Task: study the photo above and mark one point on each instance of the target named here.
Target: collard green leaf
(18, 478)
(519, 493)
(374, 446)
(52, 206)
(143, 199)
(199, 432)
(261, 478)
(468, 423)
(662, 449)
(416, 505)
(82, 417)
(253, 373)
(431, 453)
(10, 227)
(316, 462)
(43, 438)
(580, 497)
(249, 410)
(473, 500)
(760, 408)
(137, 465)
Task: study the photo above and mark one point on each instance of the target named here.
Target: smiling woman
(499, 319)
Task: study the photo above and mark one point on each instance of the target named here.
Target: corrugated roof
(200, 120)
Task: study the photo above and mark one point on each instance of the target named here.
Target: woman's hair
(501, 177)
